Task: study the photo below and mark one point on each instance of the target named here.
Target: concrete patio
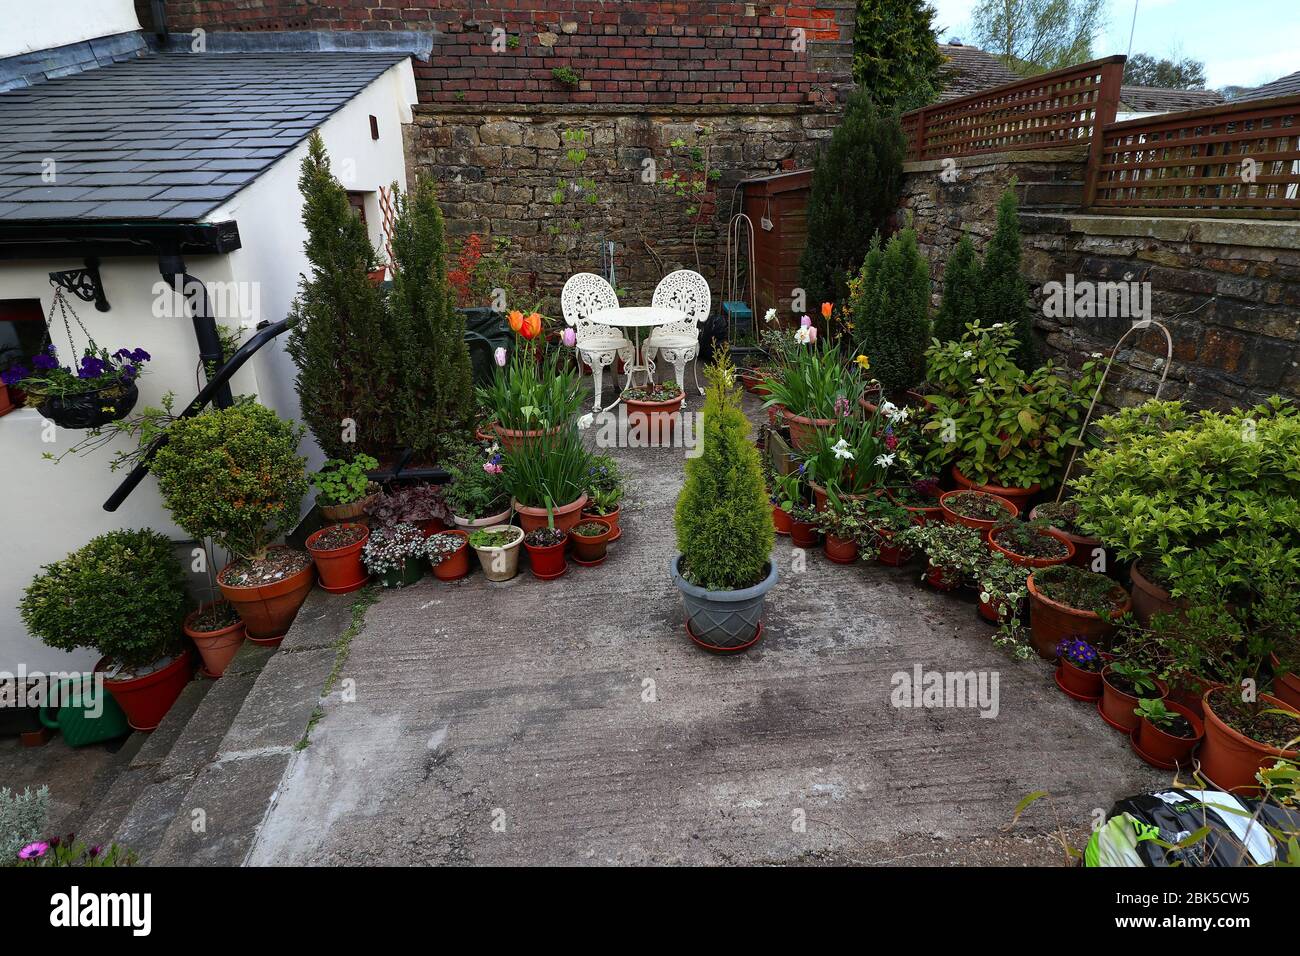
(572, 721)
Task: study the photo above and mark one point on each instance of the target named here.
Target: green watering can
(80, 718)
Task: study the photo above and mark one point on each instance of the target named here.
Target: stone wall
(1228, 290)
(498, 168)
(623, 51)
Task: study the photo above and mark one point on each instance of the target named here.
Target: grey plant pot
(724, 619)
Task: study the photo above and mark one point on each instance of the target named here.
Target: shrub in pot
(419, 504)
(953, 553)
(1167, 733)
(1244, 736)
(891, 311)
(724, 528)
(1123, 684)
(395, 555)
(546, 479)
(448, 554)
(546, 547)
(1079, 670)
(234, 475)
(123, 594)
(1065, 601)
(336, 549)
(344, 488)
(497, 548)
(589, 538)
(604, 493)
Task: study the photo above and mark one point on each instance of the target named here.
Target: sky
(1241, 44)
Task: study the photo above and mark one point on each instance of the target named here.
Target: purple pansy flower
(13, 375)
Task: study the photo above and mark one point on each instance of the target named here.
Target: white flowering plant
(388, 549)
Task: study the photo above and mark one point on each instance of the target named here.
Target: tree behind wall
(895, 54)
(855, 191)
(893, 316)
(1036, 36)
(435, 395)
(1004, 296)
(341, 339)
(961, 292)
(1143, 69)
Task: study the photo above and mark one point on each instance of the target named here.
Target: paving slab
(572, 721)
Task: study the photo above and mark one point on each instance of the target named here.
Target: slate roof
(1288, 85)
(1155, 99)
(970, 70)
(166, 137)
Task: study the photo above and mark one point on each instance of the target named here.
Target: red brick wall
(625, 51)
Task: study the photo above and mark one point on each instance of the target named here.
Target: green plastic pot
(410, 572)
(85, 716)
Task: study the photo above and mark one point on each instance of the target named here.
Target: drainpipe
(172, 268)
(159, 19)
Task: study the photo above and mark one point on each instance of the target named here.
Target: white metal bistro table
(636, 318)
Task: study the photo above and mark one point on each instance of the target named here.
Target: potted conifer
(724, 526)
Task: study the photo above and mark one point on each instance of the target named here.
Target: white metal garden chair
(679, 342)
(597, 344)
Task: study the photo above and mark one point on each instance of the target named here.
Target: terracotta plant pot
(1230, 759)
(431, 526)
(352, 511)
(500, 564)
(942, 579)
(1189, 690)
(1162, 749)
(1117, 707)
(1148, 597)
(566, 516)
(1084, 548)
(456, 565)
(615, 529)
(473, 524)
(781, 520)
(513, 439)
(216, 648)
(1286, 684)
(1017, 496)
(656, 421)
(547, 563)
(589, 550)
(146, 700)
(840, 550)
(803, 431)
(1079, 683)
(1027, 561)
(1051, 622)
(269, 609)
(755, 383)
(340, 570)
(804, 534)
(894, 555)
(979, 524)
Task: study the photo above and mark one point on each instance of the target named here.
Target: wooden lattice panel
(1238, 159)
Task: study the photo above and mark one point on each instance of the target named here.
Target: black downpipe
(159, 18)
(195, 294)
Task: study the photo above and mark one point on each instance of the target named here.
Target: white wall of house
(50, 509)
(40, 26)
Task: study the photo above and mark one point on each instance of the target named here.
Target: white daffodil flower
(586, 421)
(888, 409)
(841, 449)
(884, 461)
(770, 316)
(899, 416)
(805, 335)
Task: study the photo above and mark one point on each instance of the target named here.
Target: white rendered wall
(48, 509)
(26, 25)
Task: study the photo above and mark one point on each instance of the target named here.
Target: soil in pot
(589, 539)
(1065, 601)
(145, 699)
(1119, 700)
(840, 550)
(268, 592)
(487, 521)
(1017, 496)
(653, 413)
(546, 548)
(448, 554)
(217, 632)
(976, 509)
(616, 530)
(1169, 746)
(497, 548)
(920, 500)
(1030, 547)
(1062, 517)
(1240, 739)
(337, 553)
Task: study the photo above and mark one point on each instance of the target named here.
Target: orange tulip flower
(532, 326)
(826, 310)
(516, 320)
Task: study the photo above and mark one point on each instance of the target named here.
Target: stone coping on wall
(630, 109)
(1065, 154)
(1256, 233)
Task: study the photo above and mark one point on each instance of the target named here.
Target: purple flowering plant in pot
(1080, 672)
(99, 389)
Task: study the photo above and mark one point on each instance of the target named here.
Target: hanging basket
(89, 409)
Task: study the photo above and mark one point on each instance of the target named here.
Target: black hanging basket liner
(90, 409)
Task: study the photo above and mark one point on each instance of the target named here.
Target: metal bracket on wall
(84, 283)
